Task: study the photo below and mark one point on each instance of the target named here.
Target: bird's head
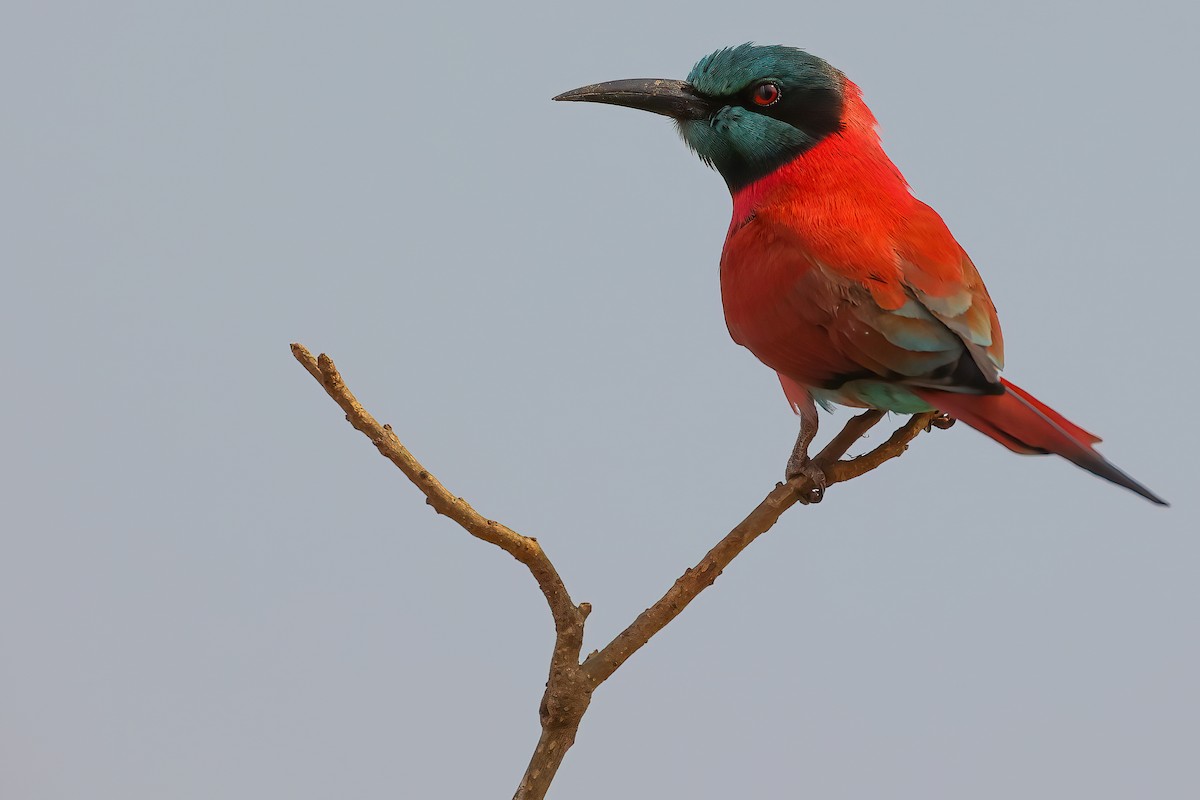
(745, 110)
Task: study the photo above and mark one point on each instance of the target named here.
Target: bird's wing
(945, 281)
(927, 323)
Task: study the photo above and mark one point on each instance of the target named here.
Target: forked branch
(571, 683)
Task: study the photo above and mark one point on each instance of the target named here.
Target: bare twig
(602, 664)
(570, 684)
(894, 447)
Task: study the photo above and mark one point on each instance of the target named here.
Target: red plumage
(853, 290)
(833, 274)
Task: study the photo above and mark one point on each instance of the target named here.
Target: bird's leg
(942, 421)
(799, 465)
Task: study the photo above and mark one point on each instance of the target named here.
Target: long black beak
(675, 99)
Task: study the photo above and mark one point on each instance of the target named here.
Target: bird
(833, 273)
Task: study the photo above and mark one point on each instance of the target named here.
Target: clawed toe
(807, 473)
(800, 469)
(941, 422)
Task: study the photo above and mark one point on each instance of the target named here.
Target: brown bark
(570, 684)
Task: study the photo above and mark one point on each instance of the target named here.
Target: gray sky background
(211, 587)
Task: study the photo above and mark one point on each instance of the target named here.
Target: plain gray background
(210, 586)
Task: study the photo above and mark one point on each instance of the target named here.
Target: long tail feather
(1024, 424)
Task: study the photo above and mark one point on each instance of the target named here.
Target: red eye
(766, 94)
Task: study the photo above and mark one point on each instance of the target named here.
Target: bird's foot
(802, 473)
(941, 422)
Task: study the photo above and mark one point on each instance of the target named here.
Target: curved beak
(676, 99)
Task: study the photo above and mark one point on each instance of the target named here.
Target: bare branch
(523, 548)
(568, 689)
(687, 587)
(854, 429)
(894, 447)
(570, 684)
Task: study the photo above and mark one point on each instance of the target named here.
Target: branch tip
(302, 354)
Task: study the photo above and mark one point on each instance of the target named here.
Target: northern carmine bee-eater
(833, 274)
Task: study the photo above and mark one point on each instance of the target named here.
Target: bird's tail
(1024, 424)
